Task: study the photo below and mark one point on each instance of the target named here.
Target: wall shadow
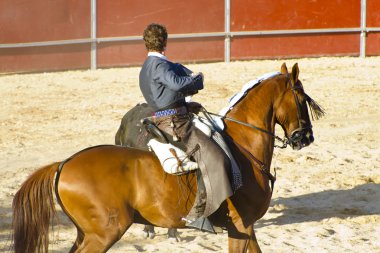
(358, 201)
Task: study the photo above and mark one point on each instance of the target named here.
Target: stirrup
(200, 223)
(154, 130)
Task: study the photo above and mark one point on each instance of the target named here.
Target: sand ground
(326, 198)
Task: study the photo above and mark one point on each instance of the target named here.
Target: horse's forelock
(316, 110)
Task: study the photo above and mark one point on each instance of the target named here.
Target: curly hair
(155, 37)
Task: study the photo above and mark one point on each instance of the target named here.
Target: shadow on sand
(358, 201)
(6, 227)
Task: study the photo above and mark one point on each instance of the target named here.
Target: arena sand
(326, 198)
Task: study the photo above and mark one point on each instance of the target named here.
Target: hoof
(173, 239)
(173, 235)
(152, 235)
(149, 235)
(148, 232)
(145, 234)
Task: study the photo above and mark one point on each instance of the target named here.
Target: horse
(105, 189)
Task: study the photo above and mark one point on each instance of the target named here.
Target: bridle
(296, 135)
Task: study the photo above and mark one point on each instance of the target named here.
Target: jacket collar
(157, 54)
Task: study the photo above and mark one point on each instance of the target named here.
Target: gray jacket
(164, 83)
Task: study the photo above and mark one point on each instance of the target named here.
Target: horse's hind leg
(78, 241)
(173, 235)
(149, 232)
(99, 228)
(92, 243)
(98, 241)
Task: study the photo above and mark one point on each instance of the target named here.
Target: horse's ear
(294, 74)
(284, 69)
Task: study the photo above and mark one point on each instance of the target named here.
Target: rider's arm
(166, 75)
(183, 70)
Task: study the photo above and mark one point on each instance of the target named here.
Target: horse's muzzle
(301, 138)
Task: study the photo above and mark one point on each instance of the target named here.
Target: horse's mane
(240, 95)
(316, 110)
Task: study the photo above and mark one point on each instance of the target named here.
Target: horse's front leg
(241, 239)
(253, 245)
(149, 232)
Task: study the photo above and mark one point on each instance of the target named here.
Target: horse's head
(292, 113)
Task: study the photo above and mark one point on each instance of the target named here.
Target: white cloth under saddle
(177, 164)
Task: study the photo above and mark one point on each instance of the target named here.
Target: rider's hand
(198, 80)
(200, 74)
(194, 107)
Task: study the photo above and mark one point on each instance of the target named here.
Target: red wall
(293, 14)
(373, 20)
(41, 20)
(295, 46)
(45, 58)
(297, 14)
(129, 18)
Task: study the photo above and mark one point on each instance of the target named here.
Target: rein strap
(263, 168)
(284, 141)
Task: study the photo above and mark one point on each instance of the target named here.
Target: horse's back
(105, 171)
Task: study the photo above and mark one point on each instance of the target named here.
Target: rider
(165, 85)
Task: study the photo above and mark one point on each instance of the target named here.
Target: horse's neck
(256, 109)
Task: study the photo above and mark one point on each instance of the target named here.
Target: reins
(285, 142)
(264, 169)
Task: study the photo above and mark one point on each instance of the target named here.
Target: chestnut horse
(105, 189)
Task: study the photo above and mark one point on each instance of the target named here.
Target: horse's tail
(33, 209)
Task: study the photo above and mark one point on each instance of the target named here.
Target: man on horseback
(165, 85)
